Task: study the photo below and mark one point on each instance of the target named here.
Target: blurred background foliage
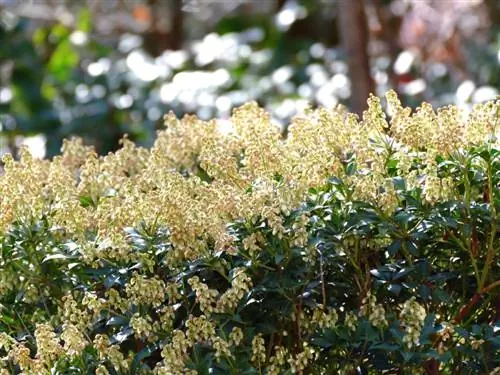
(102, 69)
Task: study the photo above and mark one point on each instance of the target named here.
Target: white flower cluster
(412, 316)
(374, 311)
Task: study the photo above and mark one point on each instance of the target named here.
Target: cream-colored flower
(412, 316)
(258, 350)
(374, 311)
(74, 340)
(194, 181)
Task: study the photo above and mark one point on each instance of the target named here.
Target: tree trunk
(389, 33)
(176, 32)
(493, 11)
(157, 39)
(354, 34)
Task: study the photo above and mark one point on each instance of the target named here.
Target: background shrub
(350, 246)
(98, 70)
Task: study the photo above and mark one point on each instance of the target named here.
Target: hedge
(346, 246)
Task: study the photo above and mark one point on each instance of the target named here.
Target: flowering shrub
(352, 246)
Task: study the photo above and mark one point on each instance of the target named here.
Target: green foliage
(443, 256)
